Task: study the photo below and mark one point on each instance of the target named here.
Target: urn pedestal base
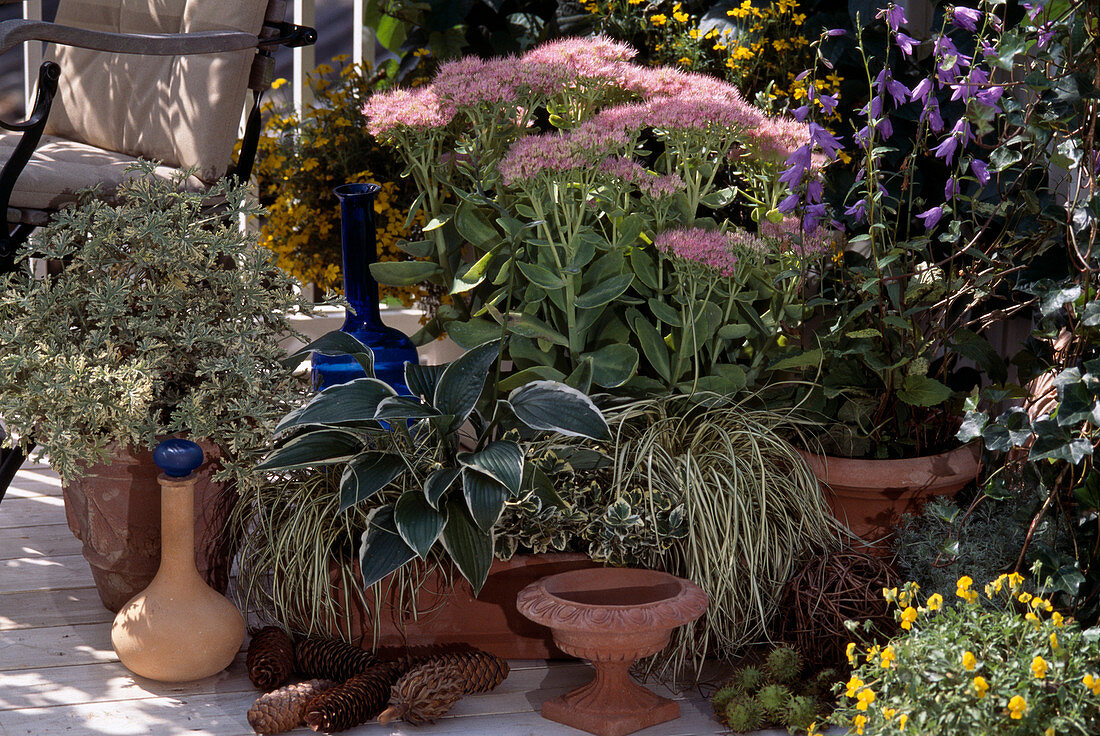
(612, 704)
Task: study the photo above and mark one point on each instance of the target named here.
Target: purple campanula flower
(897, 90)
(788, 203)
(813, 216)
(931, 217)
(894, 16)
(935, 120)
(981, 171)
(970, 85)
(1033, 10)
(800, 113)
(950, 61)
(989, 51)
(966, 18)
(990, 97)
(815, 190)
(1046, 32)
(906, 43)
(828, 103)
(826, 140)
(950, 189)
(799, 162)
(863, 137)
(885, 128)
(836, 32)
(858, 210)
(946, 149)
(922, 91)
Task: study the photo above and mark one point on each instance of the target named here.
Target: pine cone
(479, 671)
(281, 710)
(425, 693)
(331, 659)
(356, 701)
(270, 658)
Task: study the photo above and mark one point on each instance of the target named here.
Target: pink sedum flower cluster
(710, 248)
(791, 237)
(657, 187)
(412, 108)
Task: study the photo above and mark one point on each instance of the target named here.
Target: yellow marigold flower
(1057, 619)
(854, 685)
(1039, 667)
(935, 602)
(741, 53)
(889, 656)
(908, 616)
(981, 687)
(969, 661)
(737, 13)
(693, 33)
(798, 18)
(720, 47)
(1054, 640)
(834, 79)
(1092, 682)
(681, 17)
(1016, 707)
(859, 722)
(278, 83)
(902, 720)
(1035, 620)
(850, 651)
(658, 20)
(866, 696)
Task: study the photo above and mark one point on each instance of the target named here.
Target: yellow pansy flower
(866, 696)
(859, 722)
(1092, 683)
(889, 656)
(1039, 667)
(935, 602)
(908, 616)
(854, 685)
(969, 661)
(1024, 597)
(963, 590)
(981, 687)
(1057, 619)
(850, 651)
(1017, 706)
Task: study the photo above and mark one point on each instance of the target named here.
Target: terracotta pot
(612, 617)
(115, 511)
(448, 612)
(870, 496)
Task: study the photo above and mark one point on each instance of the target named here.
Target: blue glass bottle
(392, 348)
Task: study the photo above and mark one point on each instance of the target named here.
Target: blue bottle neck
(360, 248)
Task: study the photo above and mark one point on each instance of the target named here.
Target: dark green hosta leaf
(334, 343)
(923, 391)
(485, 497)
(402, 407)
(422, 379)
(534, 373)
(502, 460)
(808, 359)
(461, 384)
(404, 273)
(381, 549)
(354, 402)
(581, 377)
(604, 292)
(469, 547)
(323, 447)
(366, 474)
(417, 522)
(438, 483)
(613, 365)
(555, 407)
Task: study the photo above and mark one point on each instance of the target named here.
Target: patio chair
(126, 79)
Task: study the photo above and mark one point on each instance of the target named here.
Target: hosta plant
(437, 467)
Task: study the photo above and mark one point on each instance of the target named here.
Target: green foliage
(165, 318)
(403, 458)
(1012, 667)
(801, 713)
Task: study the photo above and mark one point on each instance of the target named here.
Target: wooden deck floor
(59, 675)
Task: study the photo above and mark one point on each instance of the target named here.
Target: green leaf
(645, 268)
(417, 248)
(469, 547)
(581, 377)
(345, 403)
(474, 226)
(653, 347)
(462, 381)
(972, 425)
(473, 274)
(404, 273)
(417, 522)
(540, 276)
(501, 460)
(366, 474)
(534, 373)
(613, 365)
(734, 331)
(422, 379)
(473, 332)
(808, 359)
(404, 407)
(381, 549)
(438, 483)
(322, 447)
(919, 390)
(534, 328)
(334, 343)
(555, 407)
(665, 312)
(605, 292)
(485, 498)
(862, 334)
(1090, 315)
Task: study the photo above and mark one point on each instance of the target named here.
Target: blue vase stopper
(178, 458)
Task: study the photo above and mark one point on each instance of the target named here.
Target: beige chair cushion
(59, 168)
(183, 111)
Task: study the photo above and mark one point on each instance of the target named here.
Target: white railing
(304, 60)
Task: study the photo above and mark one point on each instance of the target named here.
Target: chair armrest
(16, 32)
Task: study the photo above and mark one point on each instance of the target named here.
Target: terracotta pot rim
(658, 578)
(973, 447)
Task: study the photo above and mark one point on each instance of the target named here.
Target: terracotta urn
(612, 617)
(178, 629)
(114, 510)
(870, 496)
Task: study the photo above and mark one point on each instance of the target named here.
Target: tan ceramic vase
(178, 629)
(612, 617)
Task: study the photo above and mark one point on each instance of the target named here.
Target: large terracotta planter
(447, 611)
(612, 617)
(870, 496)
(115, 511)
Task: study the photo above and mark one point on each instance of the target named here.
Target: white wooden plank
(29, 482)
(16, 513)
(47, 540)
(44, 573)
(39, 609)
(55, 646)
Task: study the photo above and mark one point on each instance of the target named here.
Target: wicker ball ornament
(827, 591)
(270, 658)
